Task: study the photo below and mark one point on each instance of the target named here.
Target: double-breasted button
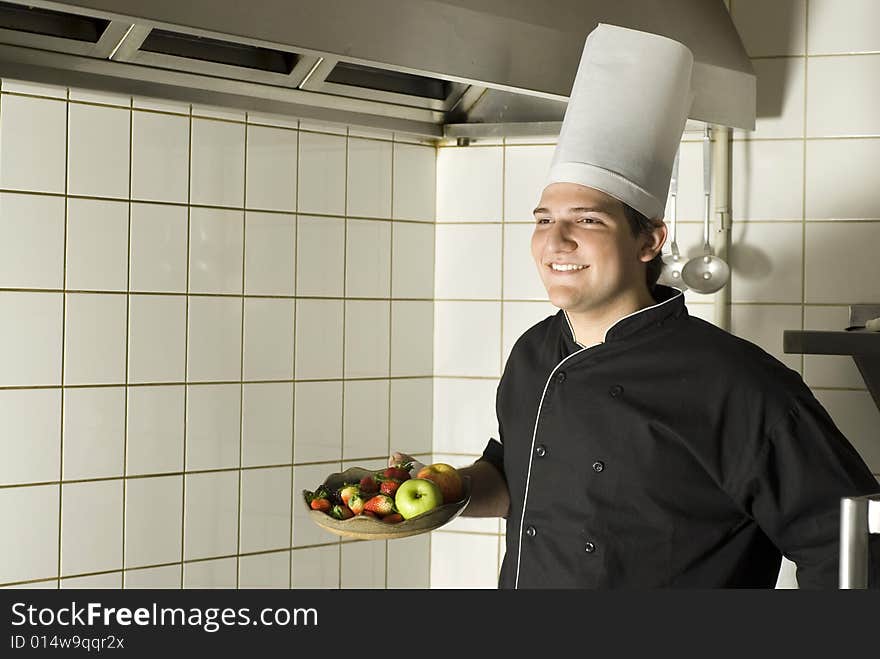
(531, 531)
(589, 547)
(560, 377)
(615, 391)
(540, 450)
(598, 466)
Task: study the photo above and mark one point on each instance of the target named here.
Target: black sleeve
(494, 454)
(792, 484)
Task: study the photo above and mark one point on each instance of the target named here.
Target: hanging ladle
(670, 275)
(706, 273)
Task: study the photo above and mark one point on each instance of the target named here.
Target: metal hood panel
(421, 66)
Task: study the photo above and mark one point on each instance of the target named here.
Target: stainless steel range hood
(433, 68)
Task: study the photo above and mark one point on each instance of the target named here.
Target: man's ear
(652, 243)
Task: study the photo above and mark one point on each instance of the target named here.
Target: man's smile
(566, 268)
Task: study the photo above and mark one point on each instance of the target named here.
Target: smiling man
(593, 254)
(640, 447)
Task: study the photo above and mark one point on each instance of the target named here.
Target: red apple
(447, 479)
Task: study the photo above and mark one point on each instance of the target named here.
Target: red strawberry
(322, 504)
(389, 487)
(381, 504)
(356, 504)
(398, 472)
(369, 485)
(368, 513)
(393, 518)
(341, 512)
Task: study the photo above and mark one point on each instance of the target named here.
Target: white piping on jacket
(538, 419)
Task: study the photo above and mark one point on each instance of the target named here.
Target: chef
(640, 447)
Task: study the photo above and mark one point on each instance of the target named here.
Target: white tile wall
(31, 419)
(267, 423)
(97, 245)
(181, 335)
(31, 240)
(33, 144)
(158, 259)
(160, 157)
(213, 426)
(98, 155)
(468, 261)
(94, 432)
(265, 570)
(219, 573)
(367, 258)
(271, 168)
(270, 254)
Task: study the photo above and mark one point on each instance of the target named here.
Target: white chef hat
(625, 117)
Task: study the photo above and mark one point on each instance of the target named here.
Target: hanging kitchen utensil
(670, 275)
(706, 273)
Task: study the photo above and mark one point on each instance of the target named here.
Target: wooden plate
(364, 527)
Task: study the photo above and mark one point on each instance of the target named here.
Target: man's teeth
(567, 266)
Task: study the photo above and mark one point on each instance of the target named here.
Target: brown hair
(641, 224)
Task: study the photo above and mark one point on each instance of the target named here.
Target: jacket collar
(669, 303)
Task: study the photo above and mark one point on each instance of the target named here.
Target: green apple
(416, 496)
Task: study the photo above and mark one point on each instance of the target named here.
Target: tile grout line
(241, 364)
(498, 556)
(344, 308)
(63, 328)
(390, 321)
(295, 248)
(127, 349)
(802, 357)
(189, 182)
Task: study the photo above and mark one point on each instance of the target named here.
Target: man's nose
(560, 238)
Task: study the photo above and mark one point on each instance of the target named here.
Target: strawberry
(389, 487)
(393, 518)
(356, 504)
(369, 485)
(322, 504)
(348, 491)
(381, 504)
(341, 512)
(398, 472)
(368, 513)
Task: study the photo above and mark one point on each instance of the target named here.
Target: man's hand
(398, 458)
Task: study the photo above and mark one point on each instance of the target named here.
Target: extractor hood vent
(356, 75)
(438, 69)
(50, 23)
(220, 52)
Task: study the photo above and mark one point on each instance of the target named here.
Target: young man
(639, 446)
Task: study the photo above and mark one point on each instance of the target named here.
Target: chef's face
(585, 250)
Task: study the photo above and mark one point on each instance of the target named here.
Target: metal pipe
(859, 517)
(721, 183)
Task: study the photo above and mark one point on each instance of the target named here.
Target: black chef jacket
(673, 454)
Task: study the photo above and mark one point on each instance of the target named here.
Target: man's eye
(542, 220)
(590, 220)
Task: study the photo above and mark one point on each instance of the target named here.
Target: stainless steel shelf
(862, 345)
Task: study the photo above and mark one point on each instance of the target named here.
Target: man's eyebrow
(579, 209)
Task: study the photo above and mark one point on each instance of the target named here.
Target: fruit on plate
(389, 487)
(416, 496)
(348, 491)
(398, 472)
(447, 479)
(341, 512)
(380, 504)
(368, 485)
